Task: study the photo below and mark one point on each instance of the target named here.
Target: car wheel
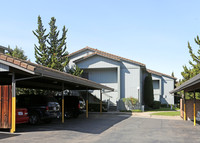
(34, 118)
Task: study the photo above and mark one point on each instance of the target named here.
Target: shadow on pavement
(4, 133)
(95, 124)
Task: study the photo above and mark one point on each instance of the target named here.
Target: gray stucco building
(124, 75)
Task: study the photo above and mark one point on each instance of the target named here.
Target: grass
(173, 113)
(135, 110)
(162, 109)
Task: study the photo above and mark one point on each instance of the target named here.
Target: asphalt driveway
(107, 128)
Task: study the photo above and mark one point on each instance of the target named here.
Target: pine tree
(172, 74)
(195, 63)
(41, 51)
(51, 51)
(57, 47)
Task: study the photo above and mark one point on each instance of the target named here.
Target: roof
(26, 68)
(160, 74)
(105, 54)
(190, 85)
(93, 54)
(4, 48)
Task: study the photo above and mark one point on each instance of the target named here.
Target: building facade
(124, 75)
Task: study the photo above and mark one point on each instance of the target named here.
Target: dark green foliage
(156, 105)
(148, 90)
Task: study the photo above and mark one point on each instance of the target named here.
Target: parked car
(22, 115)
(71, 106)
(40, 107)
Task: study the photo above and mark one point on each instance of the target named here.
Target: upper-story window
(156, 84)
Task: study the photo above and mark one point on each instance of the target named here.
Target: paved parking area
(110, 128)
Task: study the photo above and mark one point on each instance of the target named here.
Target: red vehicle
(22, 116)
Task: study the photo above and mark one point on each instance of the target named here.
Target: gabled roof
(94, 54)
(160, 74)
(27, 68)
(105, 54)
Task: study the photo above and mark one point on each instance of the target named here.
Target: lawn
(173, 113)
(162, 109)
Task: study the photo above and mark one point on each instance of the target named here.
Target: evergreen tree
(195, 63)
(51, 51)
(41, 51)
(75, 70)
(148, 90)
(57, 47)
(172, 74)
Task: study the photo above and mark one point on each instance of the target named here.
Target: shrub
(131, 99)
(95, 107)
(148, 90)
(156, 105)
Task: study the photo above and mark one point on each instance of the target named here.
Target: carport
(23, 74)
(190, 86)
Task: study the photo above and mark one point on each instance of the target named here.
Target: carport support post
(100, 101)
(184, 106)
(194, 110)
(87, 104)
(13, 127)
(63, 101)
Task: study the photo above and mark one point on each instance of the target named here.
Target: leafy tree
(148, 90)
(17, 53)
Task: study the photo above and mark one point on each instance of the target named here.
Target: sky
(152, 32)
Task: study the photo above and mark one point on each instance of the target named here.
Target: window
(156, 84)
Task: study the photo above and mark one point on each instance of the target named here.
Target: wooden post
(184, 106)
(13, 125)
(194, 109)
(100, 101)
(63, 105)
(87, 105)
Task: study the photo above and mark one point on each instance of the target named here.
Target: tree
(195, 63)
(75, 70)
(51, 51)
(172, 74)
(41, 51)
(17, 53)
(57, 47)
(148, 90)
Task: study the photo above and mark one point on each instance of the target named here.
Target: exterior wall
(162, 94)
(79, 55)
(168, 85)
(157, 92)
(189, 108)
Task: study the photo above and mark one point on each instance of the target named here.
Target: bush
(164, 105)
(148, 90)
(131, 99)
(95, 107)
(156, 105)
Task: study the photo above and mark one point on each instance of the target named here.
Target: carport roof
(191, 85)
(44, 77)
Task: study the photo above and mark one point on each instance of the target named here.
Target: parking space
(107, 127)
